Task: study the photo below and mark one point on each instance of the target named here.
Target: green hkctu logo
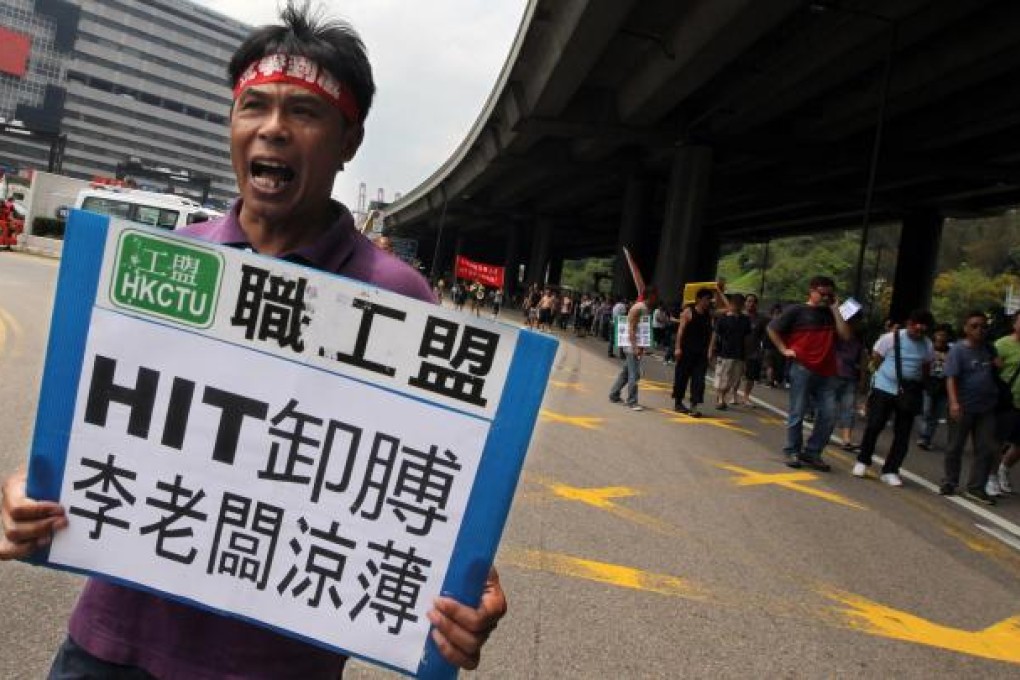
(166, 278)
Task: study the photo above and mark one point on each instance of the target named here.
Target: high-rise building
(119, 88)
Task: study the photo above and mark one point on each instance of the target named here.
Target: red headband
(302, 71)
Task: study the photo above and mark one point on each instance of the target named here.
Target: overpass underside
(672, 127)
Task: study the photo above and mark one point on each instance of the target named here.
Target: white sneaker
(1004, 484)
(892, 479)
(637, 407)
(860, 470)
(992, 486)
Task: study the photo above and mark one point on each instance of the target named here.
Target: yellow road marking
(10, 330)
(1000, 641)
(596, 497)
(840, 456)
(778, 478)
(601, 498)
(684, 419)
(577, 387)
(585, 422)
(655, 385)
(787, 480)
(770, 420)
(601, 572)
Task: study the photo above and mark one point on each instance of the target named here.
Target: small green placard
(166, 278)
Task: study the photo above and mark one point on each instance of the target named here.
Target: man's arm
(721, 303)
(842, 327)
(678, 344)
(777, 340)
(876, 361)
(955, 410)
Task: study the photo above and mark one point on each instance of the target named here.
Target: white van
(144, 207)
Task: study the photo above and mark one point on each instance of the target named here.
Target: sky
(434, 62)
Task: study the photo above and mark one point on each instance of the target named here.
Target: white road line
(1008, 539)
(1005, 525)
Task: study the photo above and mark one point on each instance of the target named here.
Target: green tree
(968, 288)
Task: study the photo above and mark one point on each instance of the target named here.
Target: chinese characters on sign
(643, 332)
(487, 274)
(277, 443)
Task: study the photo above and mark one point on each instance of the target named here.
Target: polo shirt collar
(329, 252)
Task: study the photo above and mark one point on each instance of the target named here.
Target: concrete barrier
(40, 245)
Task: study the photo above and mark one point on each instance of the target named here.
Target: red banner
(486, 274)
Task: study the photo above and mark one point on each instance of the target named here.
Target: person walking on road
(754, 348)
(728, 345)
(1008, 348)
(903, 358)
(973, 394)
(690, 351)
(849, 357)
(935, 400)
(630, 373)
(806, 335)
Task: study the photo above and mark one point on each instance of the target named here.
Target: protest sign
(643, 331)
(260, 439)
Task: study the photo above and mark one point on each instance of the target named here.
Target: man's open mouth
(270, 175)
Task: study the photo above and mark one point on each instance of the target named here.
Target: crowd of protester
(913, 374)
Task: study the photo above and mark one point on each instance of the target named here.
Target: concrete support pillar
(916, 262)
(680, 256)
(540, 240)
(512, 260)
(555, 270)
(630, 222)
(708, 256)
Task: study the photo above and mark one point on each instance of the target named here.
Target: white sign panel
(643, 332)
(276, 443)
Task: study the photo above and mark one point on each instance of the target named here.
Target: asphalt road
(650, 545)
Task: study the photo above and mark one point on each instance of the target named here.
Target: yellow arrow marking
(778, 478)
(1000, 641)
(684, 419)
(601, 572)
(588, 423)
(655, 385)
(596, 497)
(600, 498)
(577, 387)
(787, 480)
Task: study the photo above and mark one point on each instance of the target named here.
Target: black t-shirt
(731, 335)
(697, 333)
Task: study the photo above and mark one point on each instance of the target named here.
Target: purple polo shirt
(173, 641)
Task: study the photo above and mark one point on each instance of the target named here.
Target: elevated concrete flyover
(671, 126)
